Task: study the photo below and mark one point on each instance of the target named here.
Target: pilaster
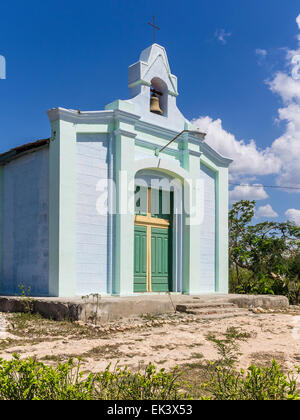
(62, 209)
(222, 230)
(194, 227)
(124, 147)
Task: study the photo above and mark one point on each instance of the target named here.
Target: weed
(171, 300)
(197, 356)
(256, 383)
(26, 299)
(228, 347)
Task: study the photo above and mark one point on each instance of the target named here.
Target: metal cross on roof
(154, 27)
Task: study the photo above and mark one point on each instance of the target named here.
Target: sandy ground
(178, 340)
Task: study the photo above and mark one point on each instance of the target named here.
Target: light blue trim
(222, 231)
(62, 210)
(214, 156)
(1, 225)
(110, 199)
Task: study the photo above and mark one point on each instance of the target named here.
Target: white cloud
(247, 158)
(266, 211)
(293, 215)
(261, 52)
(247, 192)
(261, 55)
(287, 146)
(221, 35)
(282, 158)
(286, 87)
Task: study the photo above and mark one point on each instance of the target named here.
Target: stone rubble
(292, 309)
(3, 328)
(150, 321)
(141, 322)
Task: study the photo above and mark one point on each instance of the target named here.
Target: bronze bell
(154, 105)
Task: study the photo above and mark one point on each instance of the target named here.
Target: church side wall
(25, 228)
(93, 230)
(207, 249)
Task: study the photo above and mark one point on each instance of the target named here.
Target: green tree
(263, 257)
(294, 279)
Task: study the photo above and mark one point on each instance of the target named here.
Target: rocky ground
(166, 340)
(4, 327)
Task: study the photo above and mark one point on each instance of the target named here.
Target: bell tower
(152, 85)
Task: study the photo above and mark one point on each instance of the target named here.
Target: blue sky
(232, 59)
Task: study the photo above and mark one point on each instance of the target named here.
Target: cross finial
(154, 27)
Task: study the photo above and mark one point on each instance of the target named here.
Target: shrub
(257, 383)
(31, 380)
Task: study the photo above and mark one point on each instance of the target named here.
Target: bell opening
(154, 102)
(158, 97)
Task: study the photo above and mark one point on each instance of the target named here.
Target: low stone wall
(260, 301)
(112, 308)
(88, 308)
(50, 309)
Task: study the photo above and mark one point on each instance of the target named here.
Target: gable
(153, 61)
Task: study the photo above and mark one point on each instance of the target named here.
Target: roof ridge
(24, 148)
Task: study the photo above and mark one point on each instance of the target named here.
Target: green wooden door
(161, 260)
(140, 259)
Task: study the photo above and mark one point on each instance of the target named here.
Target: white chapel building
(121, 201)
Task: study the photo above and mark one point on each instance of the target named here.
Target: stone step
(191, 306)
(217, 311)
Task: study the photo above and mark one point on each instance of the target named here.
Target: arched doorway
(157, 233)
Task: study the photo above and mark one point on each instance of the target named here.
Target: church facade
(123, 201)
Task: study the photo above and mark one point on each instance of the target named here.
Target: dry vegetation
(166, 341)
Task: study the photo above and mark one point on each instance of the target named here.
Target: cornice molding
(109, 116)
(139, 82)
(149, 128)
(125, 133)
(166, 133)
(169, 150)
(215, 156)
(154, 146)
(125, 116)
(91, 117)
(80, 117)
(194, 153)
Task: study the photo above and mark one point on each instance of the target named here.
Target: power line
(265, 186)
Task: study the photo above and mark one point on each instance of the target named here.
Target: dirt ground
(165, 340)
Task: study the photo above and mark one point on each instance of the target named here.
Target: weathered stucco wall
(207, 251)
(25, 213)
(92, 229)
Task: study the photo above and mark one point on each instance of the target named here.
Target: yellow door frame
(148, 221)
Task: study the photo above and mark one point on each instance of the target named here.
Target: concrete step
(191, 306)
(217, 311)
